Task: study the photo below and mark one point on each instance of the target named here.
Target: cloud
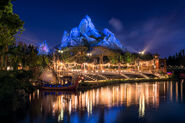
(118, 29)
(116, 24)
(157, 34)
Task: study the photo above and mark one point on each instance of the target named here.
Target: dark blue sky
(154, 25)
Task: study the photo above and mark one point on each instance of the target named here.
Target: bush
(14, 90)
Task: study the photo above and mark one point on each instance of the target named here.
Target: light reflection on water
(104, 103)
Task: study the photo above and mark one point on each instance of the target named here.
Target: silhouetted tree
(177, 60)
(10, 26)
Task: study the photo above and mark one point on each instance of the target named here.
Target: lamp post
(88, 55)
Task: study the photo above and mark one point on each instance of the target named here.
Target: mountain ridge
(87, 31)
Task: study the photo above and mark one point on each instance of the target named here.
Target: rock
(65, 39)
(48, 75)
(87, 31)
(75, 33)
(43, 48)
(87, 28)
(110, 40)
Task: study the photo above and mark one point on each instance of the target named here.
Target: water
(161, 102)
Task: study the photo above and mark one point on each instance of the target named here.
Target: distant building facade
(155, 65)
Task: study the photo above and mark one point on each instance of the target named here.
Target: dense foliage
(99, 55)
(10, 27)
(14, 89)
(15, 85)
(11, 54)
(177, 60)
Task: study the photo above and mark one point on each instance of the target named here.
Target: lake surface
(157, 102)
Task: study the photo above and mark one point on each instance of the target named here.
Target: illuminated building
(155, 65)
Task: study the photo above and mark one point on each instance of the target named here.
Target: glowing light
(30, 97)
(142, 52)
(9, 68)
(141, 106)
(60, 51)
(89, 54)
(38, 93)
(61, 115)
(70, 106)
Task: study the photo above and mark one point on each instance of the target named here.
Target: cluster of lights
(89, 54)
(85, 71)
(107, 64)
(142, 52)
(60, 51)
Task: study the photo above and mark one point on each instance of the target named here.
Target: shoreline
(88, 85)
(98, 84)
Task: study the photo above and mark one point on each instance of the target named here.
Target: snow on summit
(86, 31)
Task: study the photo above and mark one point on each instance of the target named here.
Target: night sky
(155, 25)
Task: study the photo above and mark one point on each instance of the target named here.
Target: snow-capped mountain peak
(87, 31)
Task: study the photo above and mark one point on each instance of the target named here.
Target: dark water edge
(14, 92)
(94, 85)
(16, 108)
(128, 102)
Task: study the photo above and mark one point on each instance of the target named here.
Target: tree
(177, 60)
(10, 27)
(115, 58)
(128, 57)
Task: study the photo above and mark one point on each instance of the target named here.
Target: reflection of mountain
(86, 33)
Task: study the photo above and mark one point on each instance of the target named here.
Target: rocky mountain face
(86, 33)
(43, 48)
